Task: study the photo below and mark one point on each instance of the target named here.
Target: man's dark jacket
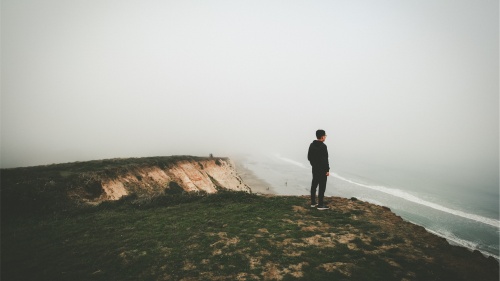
(318, 156)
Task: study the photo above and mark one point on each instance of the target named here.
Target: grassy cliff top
(47, 188)
(104, 164)
(232, 236)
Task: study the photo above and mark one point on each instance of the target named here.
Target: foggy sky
(401, 82)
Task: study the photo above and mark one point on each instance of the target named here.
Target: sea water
(466, 218)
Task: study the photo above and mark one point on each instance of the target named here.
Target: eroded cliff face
(206, 175)
(63, 186)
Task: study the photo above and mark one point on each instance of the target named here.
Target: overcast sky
(413, 81)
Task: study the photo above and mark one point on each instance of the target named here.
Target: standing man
(318, 157)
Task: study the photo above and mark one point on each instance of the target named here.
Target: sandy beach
(256, 184)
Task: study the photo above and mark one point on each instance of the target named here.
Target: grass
(222, 236)
(175, 235)
(226, 235)
(44, 189)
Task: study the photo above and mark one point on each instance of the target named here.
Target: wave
(454, 240)
(412, 198)
(296, 163)
(407, 196)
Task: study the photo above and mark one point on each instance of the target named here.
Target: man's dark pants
(319, 178)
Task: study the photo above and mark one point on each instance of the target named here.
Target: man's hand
(327, 174)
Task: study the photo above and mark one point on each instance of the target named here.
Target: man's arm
(327, 162)
(309, 154)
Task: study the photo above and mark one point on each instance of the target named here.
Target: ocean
(467, 217)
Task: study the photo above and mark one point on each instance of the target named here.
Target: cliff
(181, 221)
(191, 174)
(62, 186)
(232, 236)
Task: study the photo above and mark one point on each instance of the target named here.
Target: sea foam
(454, 240)
(412, 198)
(296, 163)
(406, 196)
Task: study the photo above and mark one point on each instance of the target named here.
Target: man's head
(321, 135)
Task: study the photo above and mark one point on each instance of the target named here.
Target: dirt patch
(223, 244)
(254, 262)
(272, 271)
(299, 209)
(289, 242)
(296, 270)
(346, 238)
(342, 267)
(319, 241)
(263, 230)
(316, 226)
(131, 256)
(292, 253)
(188, 266)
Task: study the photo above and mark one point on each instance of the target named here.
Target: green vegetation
(44, 189)
(49, 232)
(222, 236)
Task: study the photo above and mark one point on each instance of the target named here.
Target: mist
(407, 84)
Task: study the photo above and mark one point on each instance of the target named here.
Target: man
(318, 157)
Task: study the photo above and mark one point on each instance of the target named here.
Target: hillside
(224, 235)
(58, 187)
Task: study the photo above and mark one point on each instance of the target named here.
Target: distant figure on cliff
(318, 157)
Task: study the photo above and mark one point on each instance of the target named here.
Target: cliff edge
(165, 231)
(61, 186)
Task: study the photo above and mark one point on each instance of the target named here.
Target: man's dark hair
(320, 133)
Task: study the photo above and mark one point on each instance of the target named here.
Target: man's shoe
(323, 207)
(314, 205)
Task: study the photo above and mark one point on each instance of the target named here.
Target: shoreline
(259, 186)
(256, 184)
